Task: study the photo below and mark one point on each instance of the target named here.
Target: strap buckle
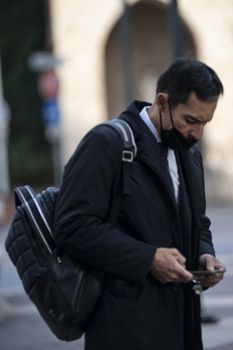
(127, 156)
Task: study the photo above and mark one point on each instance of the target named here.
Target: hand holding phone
(206, 273)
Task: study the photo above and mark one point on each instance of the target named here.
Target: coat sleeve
(206, 243)
(81, 217)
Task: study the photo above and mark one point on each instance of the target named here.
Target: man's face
(191, 118)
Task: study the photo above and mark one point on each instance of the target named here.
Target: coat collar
(148, 149)
(149, 153)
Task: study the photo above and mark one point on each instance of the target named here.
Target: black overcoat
(135, 312)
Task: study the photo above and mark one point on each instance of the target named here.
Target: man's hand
(168, 265)
(210, 263)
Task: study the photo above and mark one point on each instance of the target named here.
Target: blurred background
(66, 65)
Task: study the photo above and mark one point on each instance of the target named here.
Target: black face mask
(173, 138)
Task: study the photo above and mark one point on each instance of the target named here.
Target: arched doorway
(151, 53)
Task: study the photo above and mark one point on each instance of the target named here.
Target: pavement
(21, 328)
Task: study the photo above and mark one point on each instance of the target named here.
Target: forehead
(194, 107)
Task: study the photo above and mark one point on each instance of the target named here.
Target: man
(161, 233)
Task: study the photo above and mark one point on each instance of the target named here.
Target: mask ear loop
(160, 119)
(170, 114)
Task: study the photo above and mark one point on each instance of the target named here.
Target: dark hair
(187, 75)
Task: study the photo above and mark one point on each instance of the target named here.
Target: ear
(161, 101)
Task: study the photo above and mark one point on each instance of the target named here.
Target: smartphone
(205, 273)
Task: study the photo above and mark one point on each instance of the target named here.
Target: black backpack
(65, 292)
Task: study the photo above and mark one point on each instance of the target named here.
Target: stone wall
(85, 35)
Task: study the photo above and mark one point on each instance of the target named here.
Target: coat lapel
(150, 154)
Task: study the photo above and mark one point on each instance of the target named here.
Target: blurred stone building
(86, 34)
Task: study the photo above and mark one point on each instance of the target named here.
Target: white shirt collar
(145, 117)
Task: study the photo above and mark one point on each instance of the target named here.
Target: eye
(191, 120)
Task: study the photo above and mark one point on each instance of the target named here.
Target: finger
(220, 268)
(210, 263)
(182, 274)
(210, 281)
(179, 257)
(215, 263)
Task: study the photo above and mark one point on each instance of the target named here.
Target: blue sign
(51, 114)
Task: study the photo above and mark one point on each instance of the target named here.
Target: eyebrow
(198, 119)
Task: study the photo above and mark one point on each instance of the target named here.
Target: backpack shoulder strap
(23, 194)
(29, 204)
(129, 151)
(124, 130)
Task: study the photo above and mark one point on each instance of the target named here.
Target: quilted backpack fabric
(64, 293)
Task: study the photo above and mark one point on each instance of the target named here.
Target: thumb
(210, 263)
